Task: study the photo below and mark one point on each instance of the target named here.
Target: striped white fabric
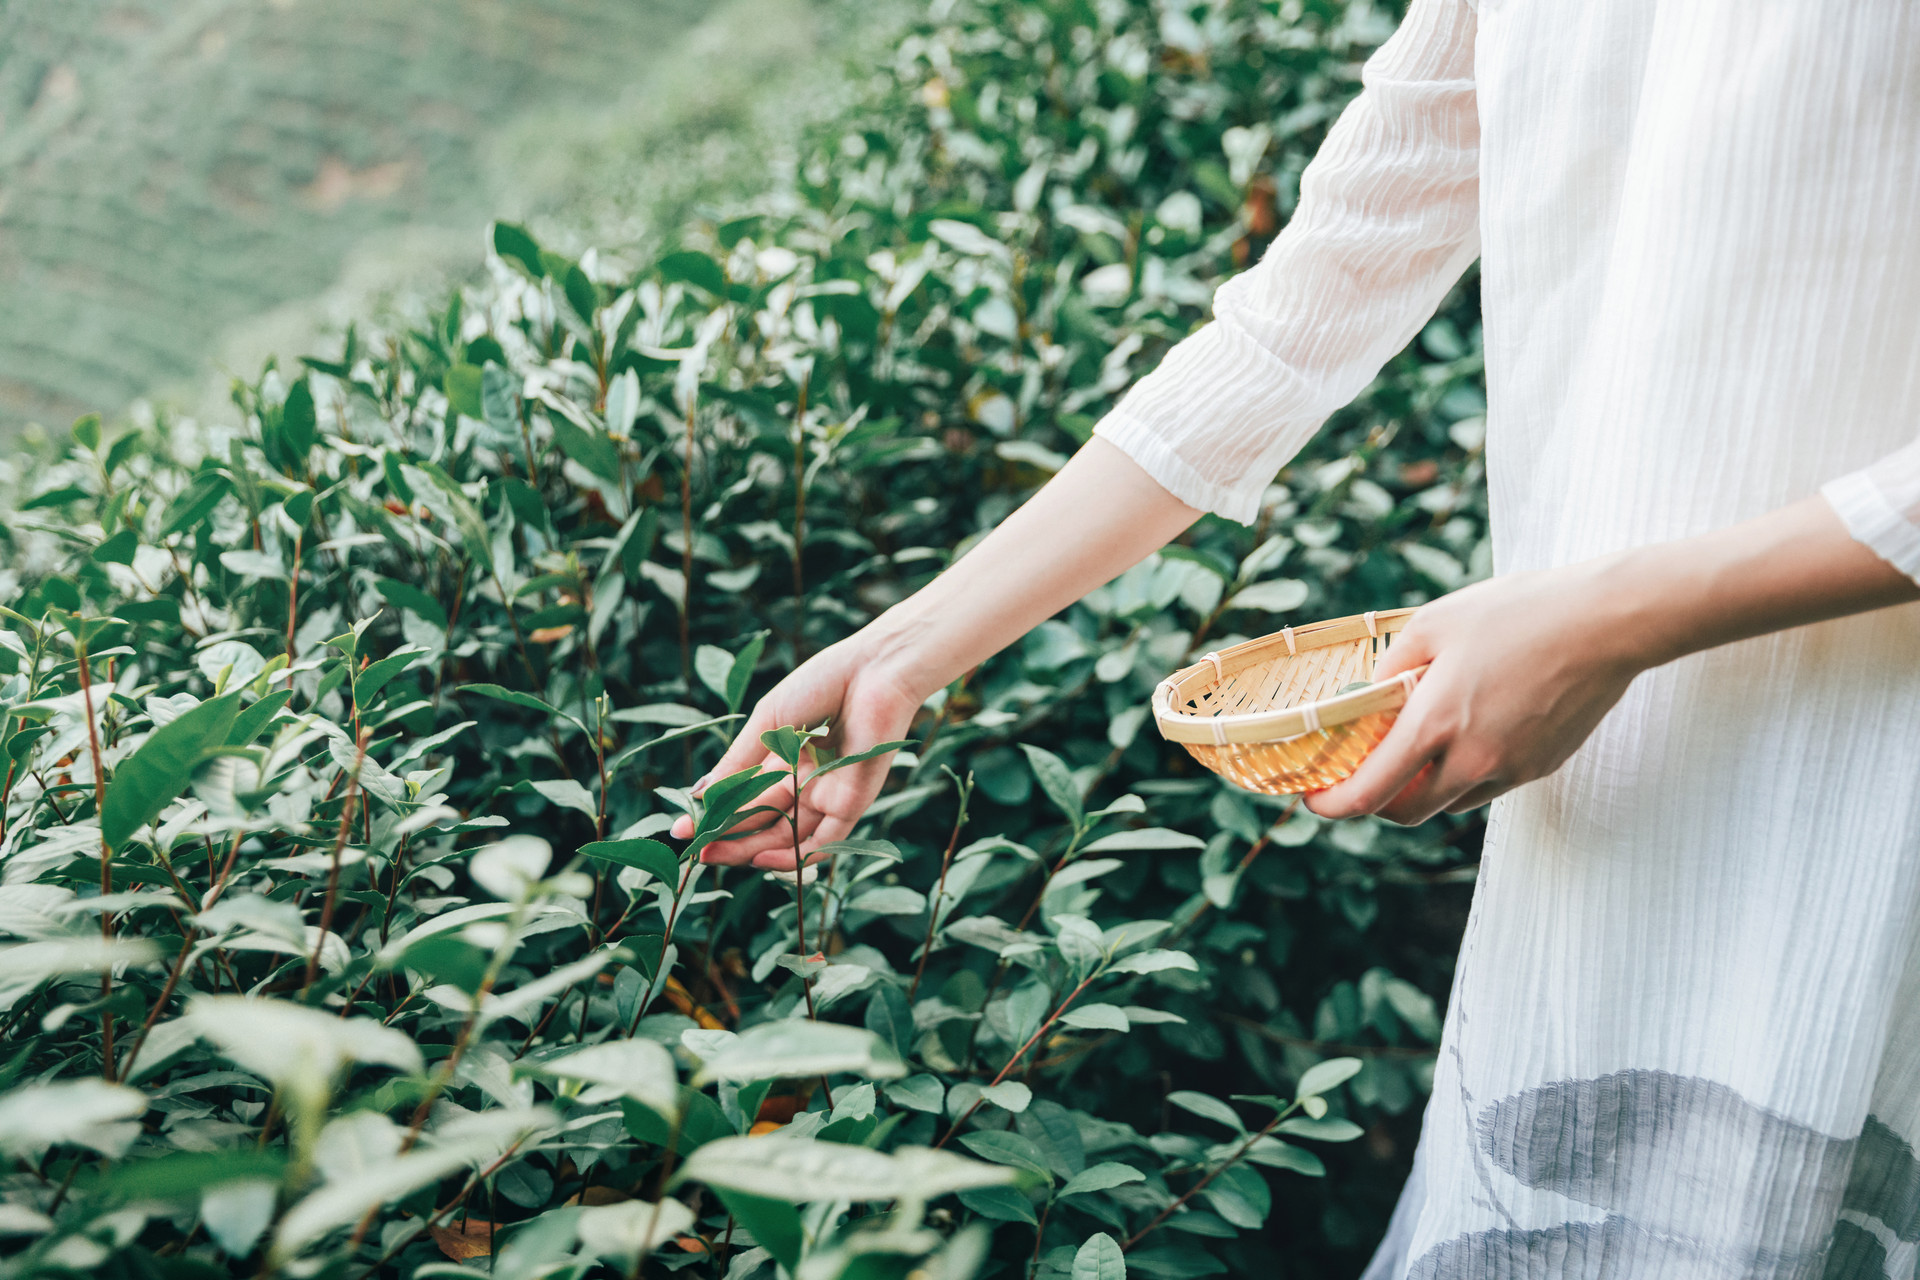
(1684, 1038)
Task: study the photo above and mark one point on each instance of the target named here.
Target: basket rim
(1284, 724)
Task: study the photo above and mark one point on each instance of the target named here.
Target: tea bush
(341, 744)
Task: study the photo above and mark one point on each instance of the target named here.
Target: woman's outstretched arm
(1100, 516)
(1524, 666)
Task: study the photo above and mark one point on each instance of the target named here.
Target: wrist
(900, 648)
(1647, 600)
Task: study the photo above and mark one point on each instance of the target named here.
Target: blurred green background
(189, 185)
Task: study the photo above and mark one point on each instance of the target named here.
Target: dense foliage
(340, 750)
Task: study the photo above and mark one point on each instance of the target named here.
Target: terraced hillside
(182, 182)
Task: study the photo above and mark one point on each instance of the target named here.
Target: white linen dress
(1684, 1035)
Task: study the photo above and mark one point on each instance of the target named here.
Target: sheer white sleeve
(1880, 506)
(1388, 219)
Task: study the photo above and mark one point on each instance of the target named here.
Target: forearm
(1785, 569)
(1100, 516)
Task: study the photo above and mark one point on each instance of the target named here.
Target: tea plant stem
(1212, 1173)
(166, 993)
(799, 522)
(526, 443)
(1020, 1053)
(666, 941)
(800, 914)
(940, 889)
(106, 853)
(1039, 1236)
(1259, 846)
(333, 871)
(686, 552)
(293, 596)
(426, 1224)
(519, 639)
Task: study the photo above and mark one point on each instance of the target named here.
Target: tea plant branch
(333, 869)
(1021, 1052)
(426, 1224)
(1259, 846)
(444, 1076)
(106, 852)
(686, 551)
(965, 787)
(1080, 830)
(799, 521)
(191, 936)
(293, 594)
(666, 941)
(1233, 1159)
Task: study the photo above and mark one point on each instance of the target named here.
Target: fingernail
(700, 784)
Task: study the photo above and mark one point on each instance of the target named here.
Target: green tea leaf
(1099, 1259)
(512, 242)
(1056, 780)
(298, 423)
(157, 773)
(1324, 1076)
(775, 1224)
(651, 856)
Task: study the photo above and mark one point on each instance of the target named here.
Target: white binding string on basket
(1218, 673)
(1286, 633)
(1408, 679)
(1219, 726)
(1373, 625)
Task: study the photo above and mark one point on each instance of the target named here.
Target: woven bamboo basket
(1269, 715)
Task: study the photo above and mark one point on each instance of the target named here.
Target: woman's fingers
(1485, 793)
(1443, 784)
(817, 831)
(746, 749)
(739, 847)
(772, 842)
(1410, 649)
(1399, 758)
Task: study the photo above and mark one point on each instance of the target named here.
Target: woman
(1684, 1037)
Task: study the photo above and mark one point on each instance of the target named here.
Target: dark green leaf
(447, 957)
(298, 424)
(1002, 1204)
(194, 503)
(252, 722)
(582, 296)
(1056, 780)
(651, 856)
(596, 452)
(696, 269)
(890, 1017)
(512, 242)
(118, 549)
(55, 498)
(181, 1175)
(704, 1122)
(741, 673)
(368, 684)
(157, 773)
(413, 599)
(518, 699)
(861, 757)
(775, 1224)
(463, 390)
(1006, 1148)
